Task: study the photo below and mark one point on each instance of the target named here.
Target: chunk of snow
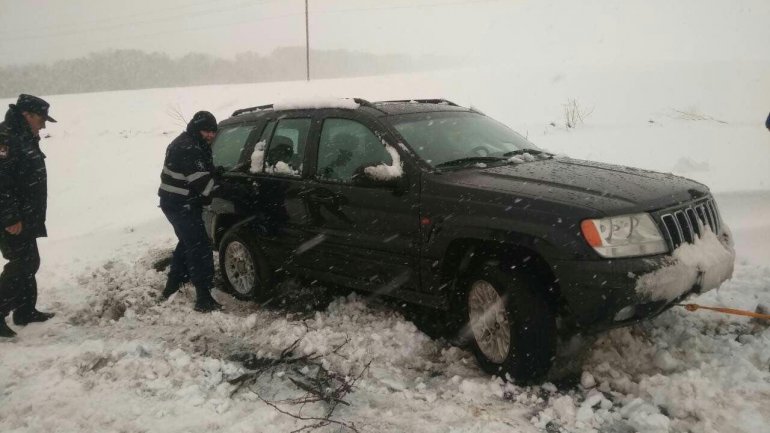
(707, 255)
(258, 157)
(587, 380)
(645, 418)
(564, 408)
(281, 167)
(665, 361)
(384, 171)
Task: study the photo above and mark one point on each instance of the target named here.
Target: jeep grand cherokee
(442, 206)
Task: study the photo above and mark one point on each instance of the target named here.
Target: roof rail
(421, 101)
(359, 101)
(364, 103)
(250, 109)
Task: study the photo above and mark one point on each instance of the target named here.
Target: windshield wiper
(523, 151)
(470, 160)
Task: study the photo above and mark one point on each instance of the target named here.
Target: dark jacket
(23, 177)
(767, 122)
(187, 175)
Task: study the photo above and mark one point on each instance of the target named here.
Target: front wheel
(511, 327)
(246, 271)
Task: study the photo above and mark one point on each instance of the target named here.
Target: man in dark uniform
(23, 201)
(186, 186)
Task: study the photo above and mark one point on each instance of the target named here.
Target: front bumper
(604, 294)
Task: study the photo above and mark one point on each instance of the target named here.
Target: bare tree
(175, 113)
(575, 114)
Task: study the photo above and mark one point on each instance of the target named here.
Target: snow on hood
(707, 254)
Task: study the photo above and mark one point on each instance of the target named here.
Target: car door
(277, 172)
(366, 236)
(228, 151)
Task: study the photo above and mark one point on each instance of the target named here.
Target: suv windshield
(448, 137)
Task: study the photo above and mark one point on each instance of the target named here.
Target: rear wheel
(244, 268)
(511, 327)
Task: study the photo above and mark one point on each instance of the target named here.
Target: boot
(173, 284)
(171, 288)
(34, 316)
(205, 303)
(5, 331)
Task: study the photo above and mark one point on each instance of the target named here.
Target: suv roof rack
(421, 101)
(250, 109)
(360, 101)
(363, 102)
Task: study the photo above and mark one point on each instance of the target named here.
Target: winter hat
(202, 121)
(33, 104)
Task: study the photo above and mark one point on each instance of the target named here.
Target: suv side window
(229, 144)
(347, 145)
(287, 147)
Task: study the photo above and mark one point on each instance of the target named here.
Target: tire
(516, 339)
(245, 270)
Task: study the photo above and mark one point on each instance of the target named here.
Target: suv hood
(611, 189)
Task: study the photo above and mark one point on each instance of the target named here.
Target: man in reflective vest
(186, 186)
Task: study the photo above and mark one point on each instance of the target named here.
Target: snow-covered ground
(114, 360)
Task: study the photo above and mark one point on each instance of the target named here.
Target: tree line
(135, 69)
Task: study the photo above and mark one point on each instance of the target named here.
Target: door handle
(325, 199)
(322, 196)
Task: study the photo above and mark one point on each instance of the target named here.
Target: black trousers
(18, 287)
(192, 260)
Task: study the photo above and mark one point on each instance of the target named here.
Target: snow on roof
(315, 102)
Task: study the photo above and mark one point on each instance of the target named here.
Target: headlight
(624, 236)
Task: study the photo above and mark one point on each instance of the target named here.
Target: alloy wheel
(489, 321)
(239, 267)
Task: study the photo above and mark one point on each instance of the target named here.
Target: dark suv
(442, 206)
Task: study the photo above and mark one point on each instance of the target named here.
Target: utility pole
(307, 42)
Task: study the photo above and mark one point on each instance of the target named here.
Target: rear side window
(347, 146)
(286, 149)
(229, 144)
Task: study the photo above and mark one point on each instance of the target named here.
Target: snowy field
(114, 360)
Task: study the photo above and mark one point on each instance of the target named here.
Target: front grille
(684, 224)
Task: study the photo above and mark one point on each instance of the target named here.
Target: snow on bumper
(705, 263)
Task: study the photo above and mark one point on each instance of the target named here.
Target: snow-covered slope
(113, 360)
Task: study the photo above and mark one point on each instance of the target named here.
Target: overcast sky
(600, 30)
